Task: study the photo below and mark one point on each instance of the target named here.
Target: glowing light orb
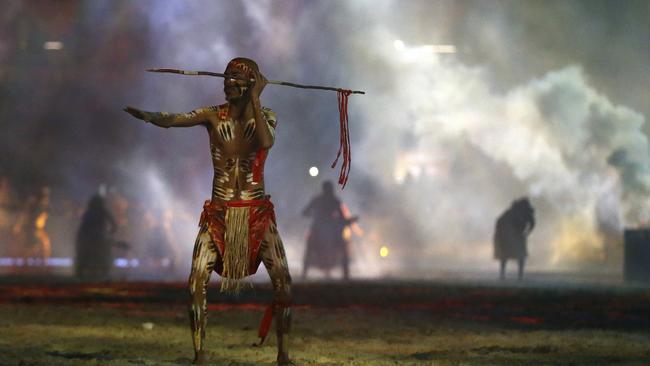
(53, 45)
(313, 171)
(440, 48)
(383, 252)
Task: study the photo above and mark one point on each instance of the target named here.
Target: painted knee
(283, 297)
(196, 283)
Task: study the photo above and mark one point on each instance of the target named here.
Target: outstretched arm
(166, 120)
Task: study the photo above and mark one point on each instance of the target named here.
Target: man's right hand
(135, 112)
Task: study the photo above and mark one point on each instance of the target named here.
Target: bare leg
(203, 261)
(275, 261)
(502, 270)
(44, 244)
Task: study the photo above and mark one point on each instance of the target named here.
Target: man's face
(234, 87)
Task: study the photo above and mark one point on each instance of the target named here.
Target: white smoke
(441, 148)
(442, 143)
(562, 141)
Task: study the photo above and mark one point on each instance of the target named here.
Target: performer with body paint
(237, 226)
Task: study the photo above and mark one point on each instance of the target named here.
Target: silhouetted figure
(512, 230)
(326, 245)
(93, 247)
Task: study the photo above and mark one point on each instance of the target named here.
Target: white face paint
(234, 92)
(234, 88)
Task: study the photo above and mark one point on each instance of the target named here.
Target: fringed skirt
(237, 229)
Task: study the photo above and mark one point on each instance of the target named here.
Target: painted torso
(235, 155)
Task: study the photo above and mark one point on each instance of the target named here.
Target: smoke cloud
(442, 142)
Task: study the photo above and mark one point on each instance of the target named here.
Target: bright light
(383, 252)
(53, 45)
(313, 171)
(50, 262)
(398, 44)
(441, 48)
(121, 262)
(59, 262)
(126, 263)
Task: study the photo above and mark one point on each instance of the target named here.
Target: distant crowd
(92, 233)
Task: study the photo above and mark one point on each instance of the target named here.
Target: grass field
(334, 324)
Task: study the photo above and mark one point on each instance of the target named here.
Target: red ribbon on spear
(342, 96)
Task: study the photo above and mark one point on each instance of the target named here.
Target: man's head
(242, 70)
(522, 205)
(328, 188)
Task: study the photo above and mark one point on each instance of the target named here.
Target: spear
(275, 82)
(343, 94)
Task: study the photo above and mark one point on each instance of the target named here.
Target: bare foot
(199, 358)
(285, 361)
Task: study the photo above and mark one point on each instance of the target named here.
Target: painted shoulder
(213, 109)
(221, 111)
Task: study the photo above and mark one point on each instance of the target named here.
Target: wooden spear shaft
(275, 82)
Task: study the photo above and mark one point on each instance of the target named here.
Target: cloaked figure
(511, 233)
(94, 242)
(327, 247)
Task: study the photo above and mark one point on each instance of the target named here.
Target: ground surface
(362, 323)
